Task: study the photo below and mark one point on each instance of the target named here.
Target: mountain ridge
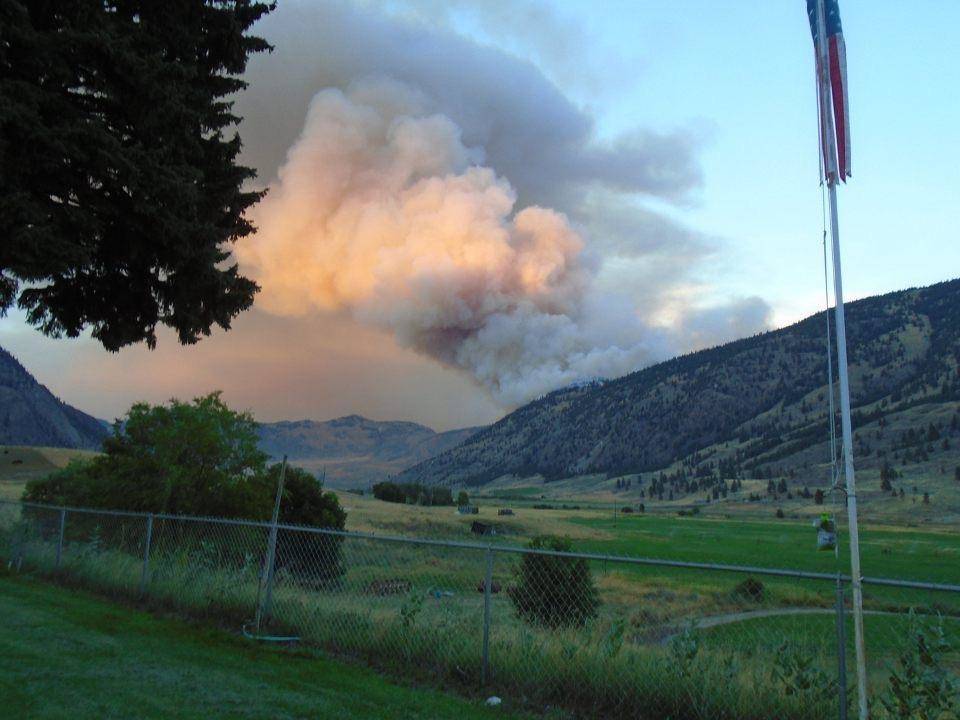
(761, 395)
(32, 415)
(353, 449)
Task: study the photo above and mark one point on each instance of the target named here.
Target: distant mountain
(31, 415)
(353, 450)
(756, 407)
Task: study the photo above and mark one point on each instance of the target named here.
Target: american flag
(835, 87)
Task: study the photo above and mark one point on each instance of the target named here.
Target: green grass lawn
(924, 555)
(67, 654)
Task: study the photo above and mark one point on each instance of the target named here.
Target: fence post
(487, 590)
(63, 524)
(145, 572)
(841, 652)
(264, 608)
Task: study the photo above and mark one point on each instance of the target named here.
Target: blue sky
(740, 73)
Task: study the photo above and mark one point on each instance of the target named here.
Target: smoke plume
(381, 211)
(419, 198)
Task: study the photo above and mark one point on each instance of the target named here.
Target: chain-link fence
(597, 635)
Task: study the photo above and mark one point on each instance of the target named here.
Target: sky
(473, 202)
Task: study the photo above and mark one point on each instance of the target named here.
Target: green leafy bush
(197, 458)
(201, 459)
(308, 556)
(922, 684)
(553, 590)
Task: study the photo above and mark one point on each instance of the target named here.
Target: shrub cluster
(552, 590)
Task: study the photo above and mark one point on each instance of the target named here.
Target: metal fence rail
(597, 634)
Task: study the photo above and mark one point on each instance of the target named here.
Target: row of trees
(413, 493)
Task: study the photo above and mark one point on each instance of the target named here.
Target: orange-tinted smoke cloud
(381, 212)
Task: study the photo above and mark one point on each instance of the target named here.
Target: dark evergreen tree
(120, 191)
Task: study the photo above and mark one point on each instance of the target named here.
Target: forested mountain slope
(751, 407)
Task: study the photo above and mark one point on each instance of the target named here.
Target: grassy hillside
(68, 654)
(754, 409)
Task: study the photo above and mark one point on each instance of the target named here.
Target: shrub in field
(750, 589)
(309, 556)
(552, 590)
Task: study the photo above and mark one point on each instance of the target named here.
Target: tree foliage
(201, 458)
(197, 458)
(308, 556)
(120, 189)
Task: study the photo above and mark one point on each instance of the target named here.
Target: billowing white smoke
(382, 212)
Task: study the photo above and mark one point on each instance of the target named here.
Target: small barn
(468, 510)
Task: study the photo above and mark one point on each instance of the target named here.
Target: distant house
(504, 511)
(468, 510)
(479, 528)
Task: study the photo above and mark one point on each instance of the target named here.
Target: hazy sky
(675, 139)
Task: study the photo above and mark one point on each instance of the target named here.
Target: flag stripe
(841, 111)
(836, 86)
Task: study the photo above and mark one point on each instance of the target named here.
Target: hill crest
(762, 398)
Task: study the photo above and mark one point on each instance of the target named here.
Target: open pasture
(928, 554)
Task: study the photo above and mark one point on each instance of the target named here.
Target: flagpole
(831, 168)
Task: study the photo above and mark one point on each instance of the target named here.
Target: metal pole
(63, 524)
(145, 570)
(833, 412)
(829, 142)
(847, 431)
(264, 611)
(487, 583)
(841, 652)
